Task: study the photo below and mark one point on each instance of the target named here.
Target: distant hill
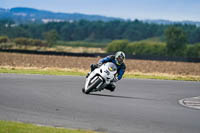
(167, 22)
(26, 15)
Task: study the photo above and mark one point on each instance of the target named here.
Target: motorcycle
(100, 78)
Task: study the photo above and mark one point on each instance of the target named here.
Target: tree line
(132, 37)
(95, 30)
(175, 46)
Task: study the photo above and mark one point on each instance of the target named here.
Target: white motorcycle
(100, 78)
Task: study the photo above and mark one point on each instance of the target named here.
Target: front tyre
(93, 85)
(83, 90)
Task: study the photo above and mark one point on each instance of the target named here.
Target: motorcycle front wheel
(93, 85)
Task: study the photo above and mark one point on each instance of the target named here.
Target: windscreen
(111, 67)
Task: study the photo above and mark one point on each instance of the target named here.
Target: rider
(118, 60)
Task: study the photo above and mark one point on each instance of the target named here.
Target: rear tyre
(93, 85)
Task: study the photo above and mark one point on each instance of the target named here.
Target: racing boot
(111, 87)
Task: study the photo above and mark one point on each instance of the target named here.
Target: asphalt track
(137, 106)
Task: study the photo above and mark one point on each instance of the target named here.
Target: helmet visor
(120, 59)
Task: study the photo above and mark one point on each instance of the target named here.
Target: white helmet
(119, 57)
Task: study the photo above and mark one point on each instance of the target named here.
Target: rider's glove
(99, 64)
(115, 79)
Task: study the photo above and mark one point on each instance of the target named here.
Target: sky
(174, 10)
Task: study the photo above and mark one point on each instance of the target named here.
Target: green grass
(163, 77)
(40, 71)
(18, 127)
(83, 73)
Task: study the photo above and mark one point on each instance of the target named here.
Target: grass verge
(18, 127)
(78, 72)
(72, 72)
(162, 77)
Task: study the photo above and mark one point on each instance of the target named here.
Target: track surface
(137, 106)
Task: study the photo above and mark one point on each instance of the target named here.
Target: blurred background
(159, 30)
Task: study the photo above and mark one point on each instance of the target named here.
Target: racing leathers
(120, 70)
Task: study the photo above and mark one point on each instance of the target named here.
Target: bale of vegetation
(147, 48)
(4, 39)
(152, 48)
(22, 41)
(82, 44)
(38, 43)
(117, 45)
(29, 42)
